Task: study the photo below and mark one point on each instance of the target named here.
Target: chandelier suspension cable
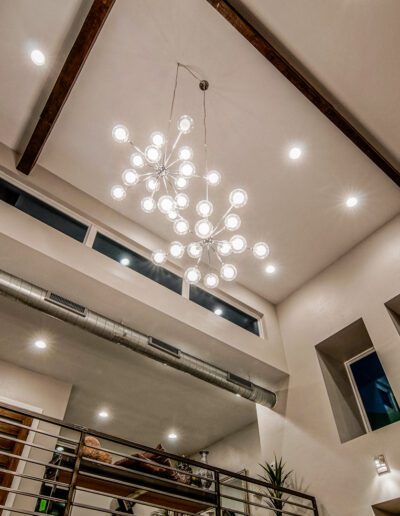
(205, 139)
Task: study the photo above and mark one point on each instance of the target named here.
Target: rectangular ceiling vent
(55, 299)
(239, 381)
(163, 346)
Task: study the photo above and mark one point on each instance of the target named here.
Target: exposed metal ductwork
(73, 313)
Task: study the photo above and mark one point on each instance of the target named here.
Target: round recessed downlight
(40, 344)
(37, 57)
(103, 414)
(173, 436)
(270, 269)
(295, 153)
(218, 311)
(351, 202)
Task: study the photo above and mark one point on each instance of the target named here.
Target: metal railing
(58, 476)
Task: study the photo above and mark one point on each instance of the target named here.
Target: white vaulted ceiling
(254, 116)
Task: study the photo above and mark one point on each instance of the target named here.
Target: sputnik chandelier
(166, 170)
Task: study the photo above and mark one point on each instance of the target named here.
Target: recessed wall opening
(387, 508)
(359, 391)
(393, 307)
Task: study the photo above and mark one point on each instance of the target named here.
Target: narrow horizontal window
(379, 405)
(138, 263)
(224, 309)
(42, 211)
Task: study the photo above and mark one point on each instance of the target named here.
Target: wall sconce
(381, 465)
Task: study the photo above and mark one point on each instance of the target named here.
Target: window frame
(234, 303)
(37, 194)
(354, 385)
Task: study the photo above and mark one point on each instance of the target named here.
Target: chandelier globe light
(167, 171)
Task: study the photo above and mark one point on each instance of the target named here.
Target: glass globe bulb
(130, 177)
(185, 124)
(181, 227)
(176, 249)
(194, 250)
(203, 228)
(185, 153)
(159, 256)
(157, 139)
(193, 275)
(213, 178)
(152, 184)
(152, 153)
(238, 198)
(120, 133)
(224, 248)
(187, 169)
(238, 243)
(118, 192)
(204, 208)
(148, 204)
(181, 183)
(232, 222)
(260, 250)
(137, 160)
(166, 203)
(211, 280)
(172, 215)
(182, 201)
(228, 272)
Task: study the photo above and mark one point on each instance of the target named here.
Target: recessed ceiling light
(38, 58)
(351, 202)
(125, 261)
(60, 448)
(295, 153)
(172, 436)
(41, 344)
(218, 311)
(270, 269)
(103, 414)
(238, 395)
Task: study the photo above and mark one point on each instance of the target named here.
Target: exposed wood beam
(80, 50)
(276, 58)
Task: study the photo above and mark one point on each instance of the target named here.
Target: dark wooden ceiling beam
(269, 51)
(80, 50)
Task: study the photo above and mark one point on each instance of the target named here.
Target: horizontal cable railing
(45, 472)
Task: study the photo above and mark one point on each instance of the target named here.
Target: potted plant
(276, 475)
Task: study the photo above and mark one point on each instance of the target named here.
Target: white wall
(51, 397)
(342, 476)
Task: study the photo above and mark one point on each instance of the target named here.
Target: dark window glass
(223, 309)
(42, 211)
(375, 392)
(137, 262)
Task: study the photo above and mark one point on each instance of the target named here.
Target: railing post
(315, 507)
(218, 493)
(75, 472)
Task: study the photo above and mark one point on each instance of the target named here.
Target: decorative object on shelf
(205, 473)
(275, 474)
(167, 171)
(185, 473)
